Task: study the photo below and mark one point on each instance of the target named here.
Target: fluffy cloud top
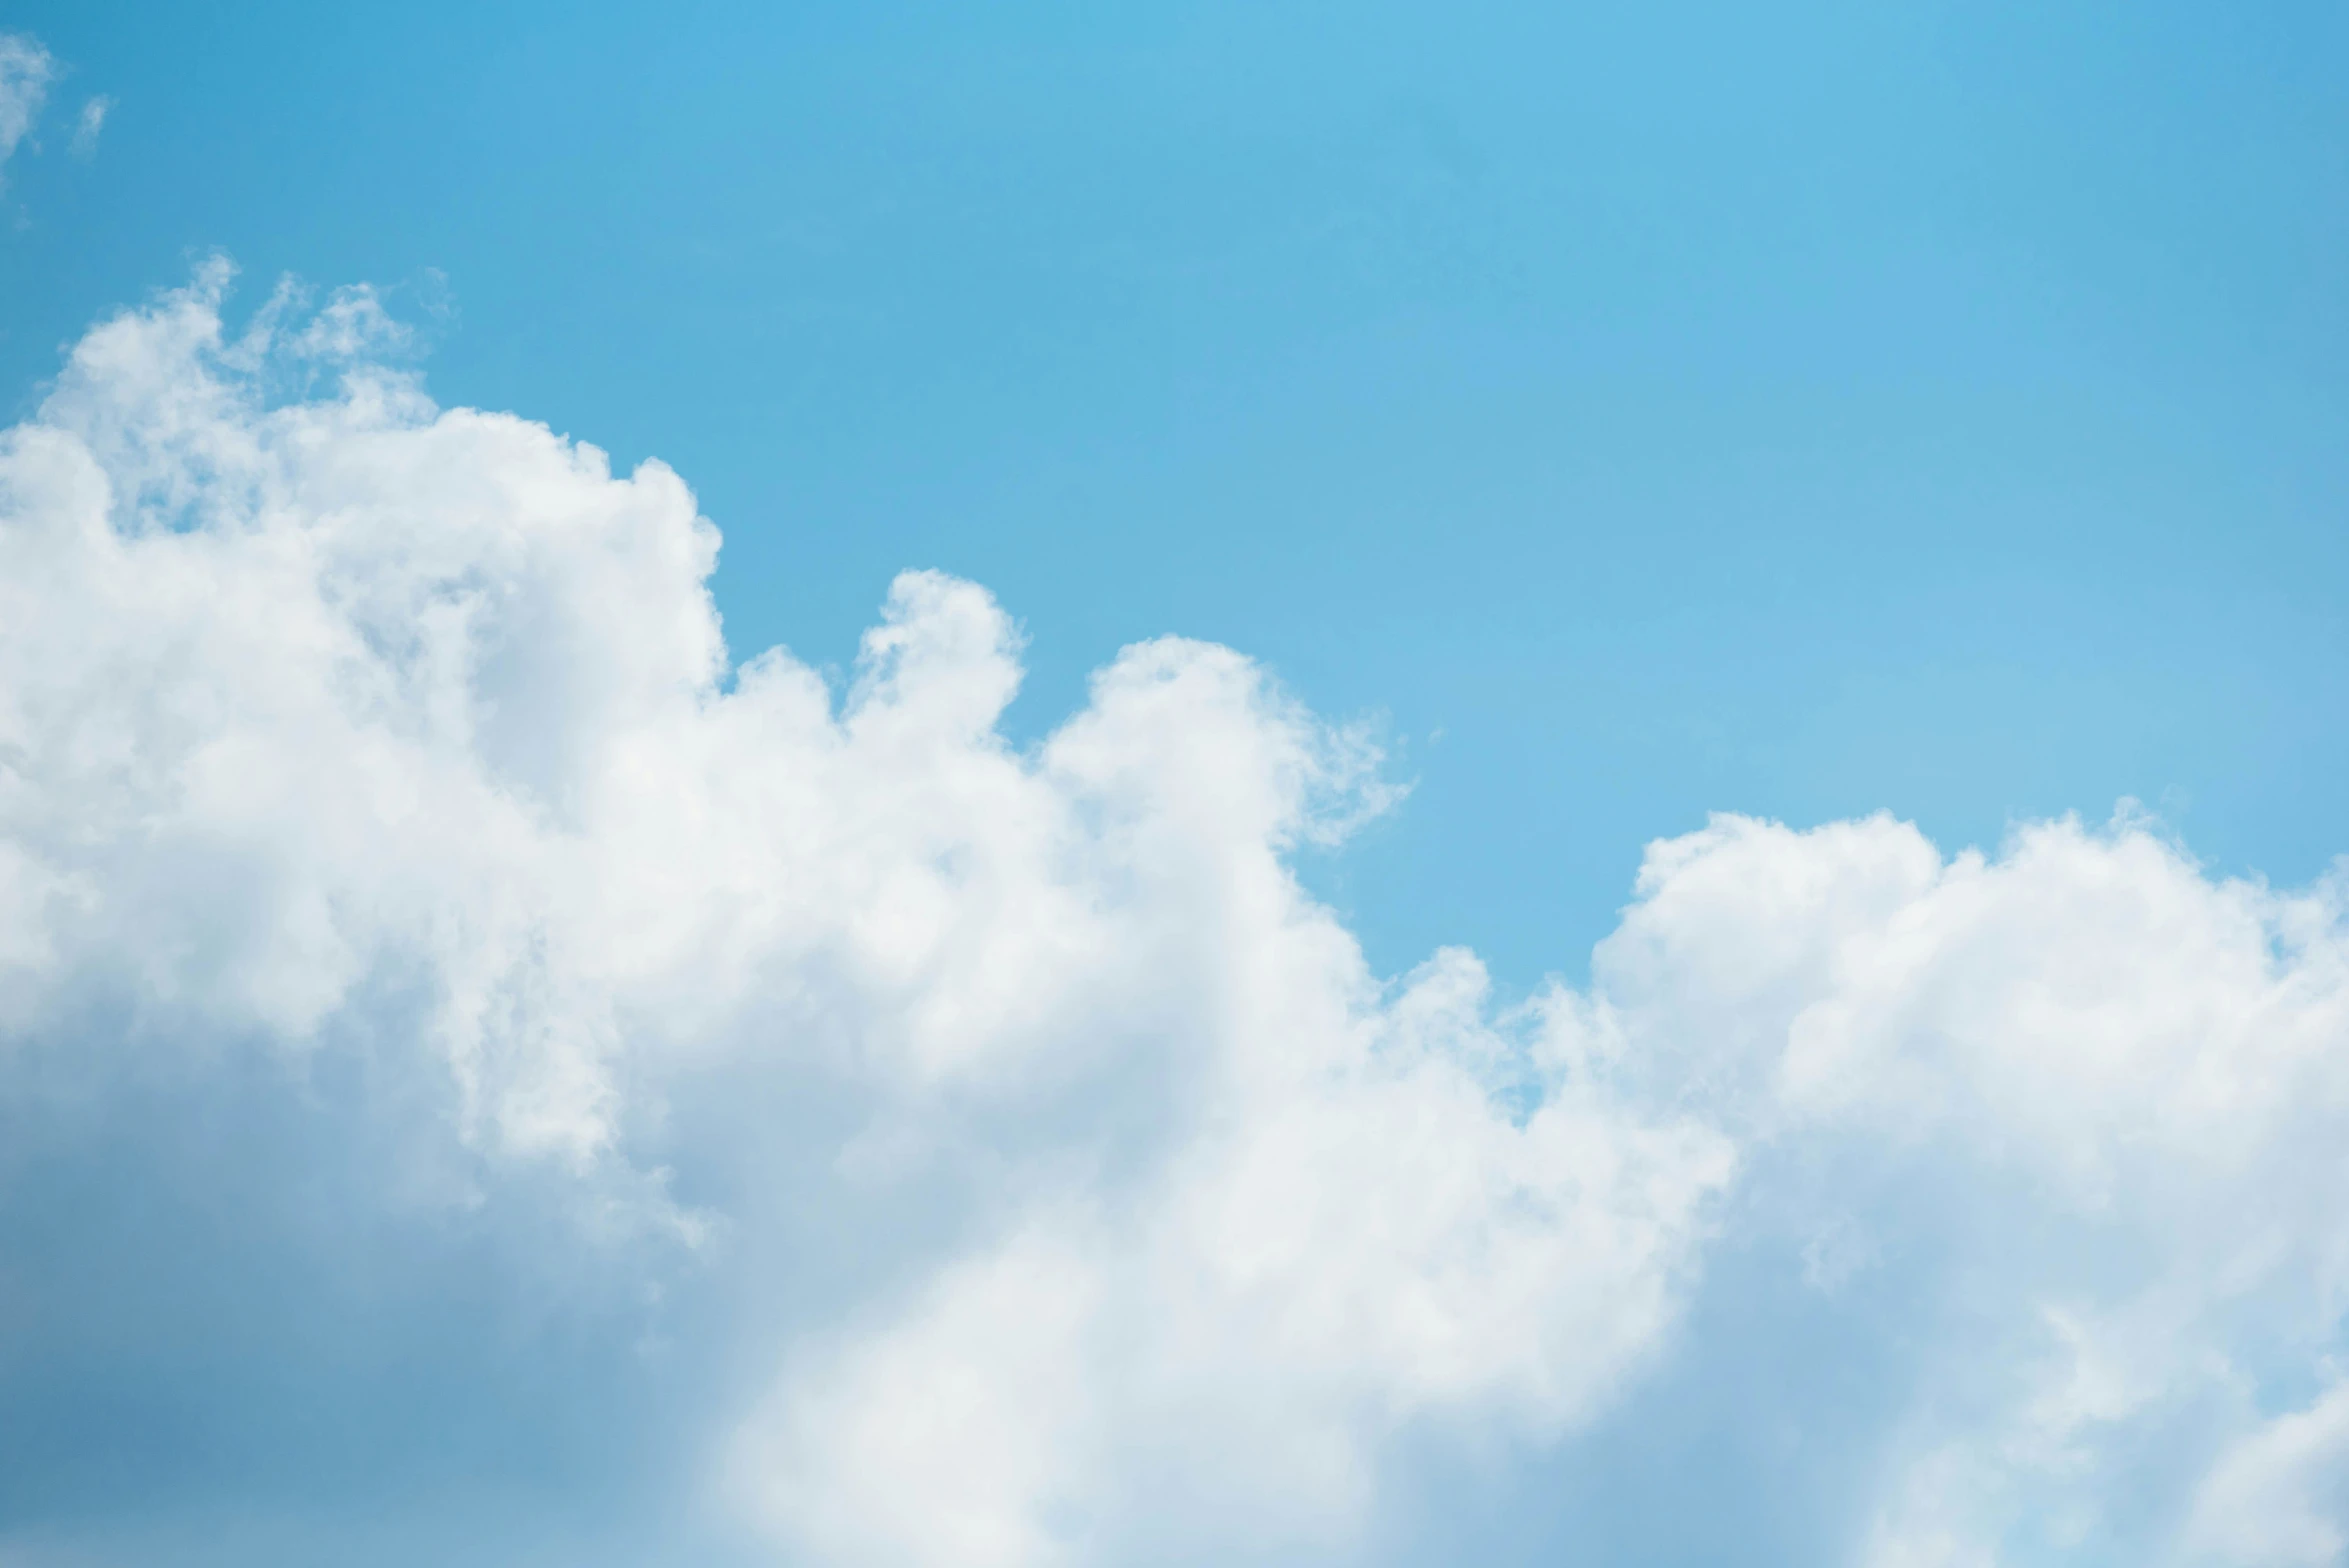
(887, 1145)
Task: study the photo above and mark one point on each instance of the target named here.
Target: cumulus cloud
(341, 716)
(439, 987)
(26, 70)
(2093, 1096)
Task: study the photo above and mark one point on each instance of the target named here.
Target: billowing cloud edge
(336, 724)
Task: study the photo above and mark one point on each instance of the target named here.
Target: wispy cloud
(26, 70)
(89, 123)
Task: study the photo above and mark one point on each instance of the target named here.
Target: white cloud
(1351, 1236)
(310, 701)
(26, 70)
(2276, 1498)
(993, 1155)
(88, 123)
(2095, 1097)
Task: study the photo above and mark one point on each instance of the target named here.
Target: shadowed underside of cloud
(464, 1042)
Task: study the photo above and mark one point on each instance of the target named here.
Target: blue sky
(1928, 408)
(485, 1072)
